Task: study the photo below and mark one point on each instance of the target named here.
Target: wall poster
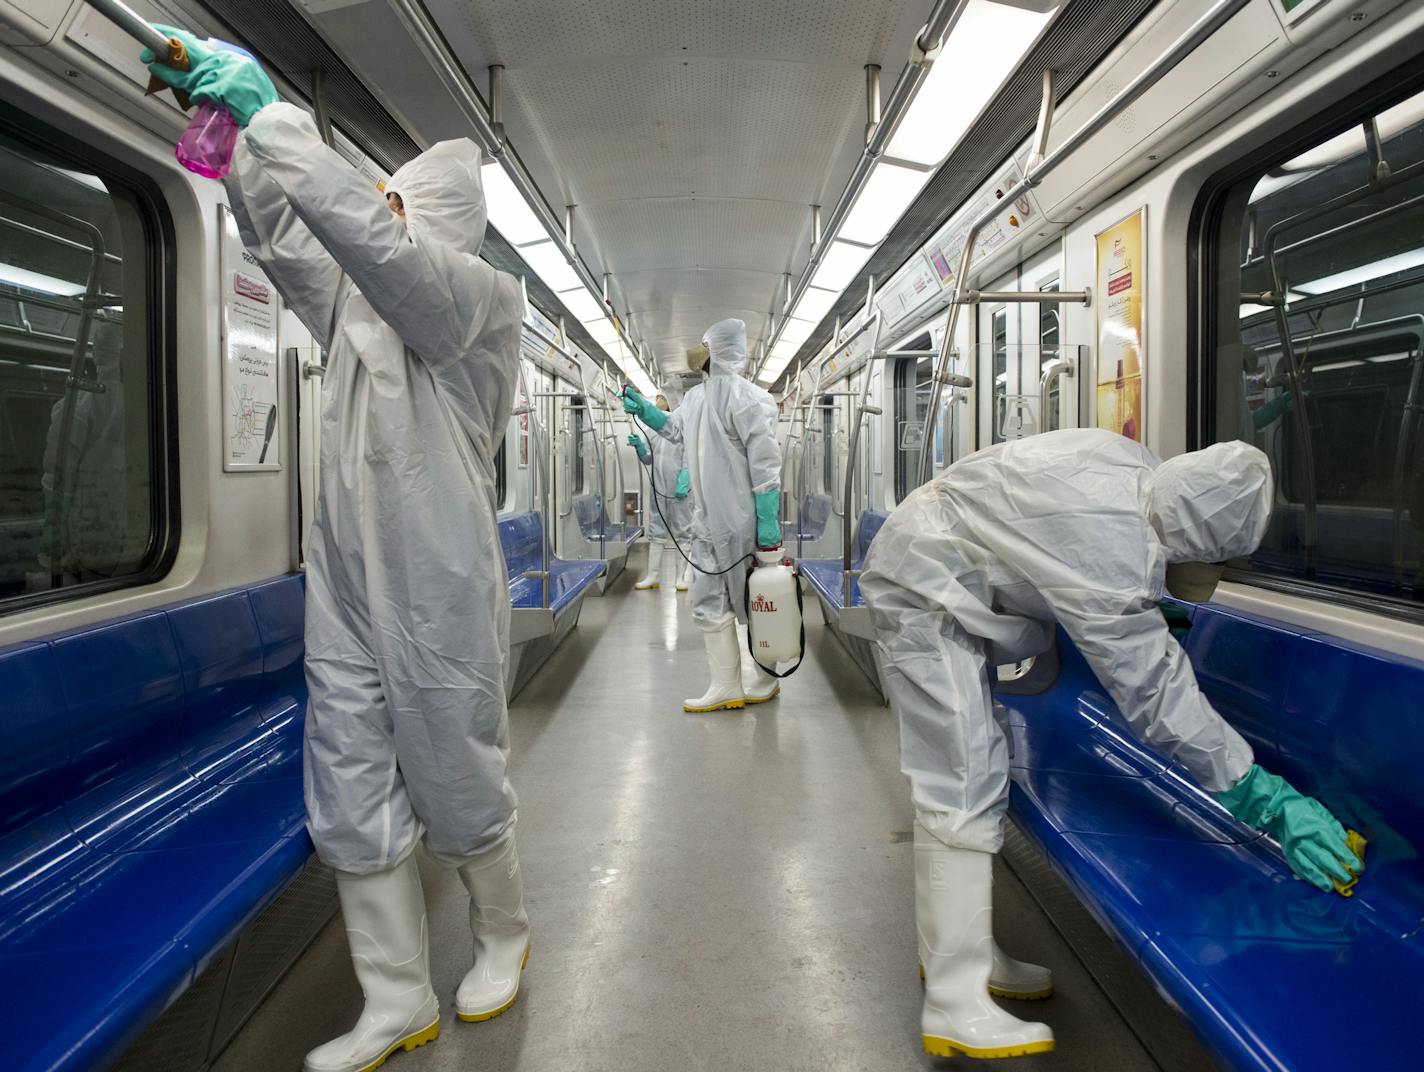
(252, 434)
(1119, 294)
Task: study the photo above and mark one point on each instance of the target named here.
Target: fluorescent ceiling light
(548, 263)
(583, 305)
(45, 284)
(815, 303)
(602, 330)
(1400, 262)
(785, 349)
(982, 50)
(508, 211)
(797, 331)
(883, 199)
(840, 265)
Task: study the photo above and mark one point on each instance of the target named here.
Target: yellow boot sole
(942, 1047)
(481, 1017)
(646, 587)
(766, 699)
(725, 705)
(410, 1042)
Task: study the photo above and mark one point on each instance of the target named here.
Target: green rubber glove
(768, 510)
(1313, 842)
(224, 78)
(640, 407)
(684, 484)
(636, 442)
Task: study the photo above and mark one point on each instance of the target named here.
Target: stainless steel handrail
(1055, 370)
(1195, 35)
(858, 421)
(536, 433)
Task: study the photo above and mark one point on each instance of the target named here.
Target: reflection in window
(1319, 355)
(78, 503)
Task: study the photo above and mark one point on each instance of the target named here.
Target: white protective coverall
(1076, 527)
(727, 428)
(670, 518)
(407, 610)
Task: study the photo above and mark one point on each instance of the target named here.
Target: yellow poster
(1119, 294)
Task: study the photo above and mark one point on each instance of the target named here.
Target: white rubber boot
(1017, 980)
(954, 915)
(762, 686)
(684, 574)
(724, 662)
(653, 578)
(390, 949)
(501, 930)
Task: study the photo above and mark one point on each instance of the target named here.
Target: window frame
(156, 220)
(1203, 259)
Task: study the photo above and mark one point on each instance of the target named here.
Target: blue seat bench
(826, 576)
(1271, 973)
(150, 809)
(521, 536)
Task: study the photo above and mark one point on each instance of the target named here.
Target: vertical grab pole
(854, 449)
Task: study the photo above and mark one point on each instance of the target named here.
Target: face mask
(1194, 582)
(698, 357)
(663, 404)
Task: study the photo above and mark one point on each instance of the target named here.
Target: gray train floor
(726, 891)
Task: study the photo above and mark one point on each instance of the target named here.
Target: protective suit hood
(672, 391)
(443, 195)
(1213, 504)
(727, 342)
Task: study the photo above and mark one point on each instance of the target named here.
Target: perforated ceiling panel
(692, 135)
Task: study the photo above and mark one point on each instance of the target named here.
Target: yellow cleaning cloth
(1357, 845)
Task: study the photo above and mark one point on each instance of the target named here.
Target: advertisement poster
(1119, 294)
(252, 433)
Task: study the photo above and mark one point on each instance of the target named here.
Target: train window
(999, 328)
(828, 446)
(913, 379)
(81, 462)
(576, 423)
(1317, 344)
(1048, 338)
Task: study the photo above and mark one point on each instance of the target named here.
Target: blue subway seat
(521, 537)
(827, 575)
(150, 808)
(591, 511)
(1208, 906)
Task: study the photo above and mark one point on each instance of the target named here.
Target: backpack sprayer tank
(775, 632)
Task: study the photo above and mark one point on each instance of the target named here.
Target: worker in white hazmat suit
(669, 512)
(407, 611)
(729, 436)
(1083, 528)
